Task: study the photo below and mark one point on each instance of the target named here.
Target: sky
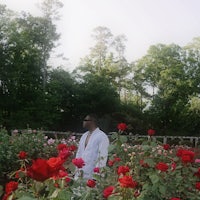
(143, 22)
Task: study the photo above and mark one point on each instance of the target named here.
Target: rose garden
(35, 166)
(137, 101)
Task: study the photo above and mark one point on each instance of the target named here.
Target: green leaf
(111, 148)
(154, 178)
(162, 189)
(123, 139)
(26, 198)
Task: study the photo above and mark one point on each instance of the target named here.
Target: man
(93, 147)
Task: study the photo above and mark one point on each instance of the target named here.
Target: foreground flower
(175, 198)
(55, 163)
(127, 182)
(151, 132)
(91, 183)
(39, 170)
(122, 127)
(10, 187)
(78, 162)
(108, 191)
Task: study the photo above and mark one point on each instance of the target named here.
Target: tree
(26, 45)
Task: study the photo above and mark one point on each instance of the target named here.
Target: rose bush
(145, 171)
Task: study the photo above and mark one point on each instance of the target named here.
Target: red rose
(166, 146)
(78, 162)
(197, 173)
(39, 170)
(187, 156)
(111, 163)
(55, 164)
(122, 127)
(64, 153)
(62, 173)
(127, 182)
(173, 166)
(108, 191)
(11, 186)
(151, 132)
(162, 166)
(175, 198)
(179, 152)
(197, 186)
(123, 170)
(91, 183)
(117, 159)
(22, 155)
(62, 146)
(96, 170)
(72, 148)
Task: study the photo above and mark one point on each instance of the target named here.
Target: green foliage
(36, 144)
(178, 180)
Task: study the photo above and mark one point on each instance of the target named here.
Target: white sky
(144, 22)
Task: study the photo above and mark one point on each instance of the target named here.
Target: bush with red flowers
(147, 171)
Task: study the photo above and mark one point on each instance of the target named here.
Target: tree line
(159, 91)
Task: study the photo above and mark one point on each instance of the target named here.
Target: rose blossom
(151, 132)
(123, 170)
(162, 166)
(91, 183)
(127, 182)
(175, 198)
(55, 163)
(22, 155)
(96, 170)
(78, 162)
(122, 126)
(187, 156)
(11, 186)
(197, 185)
(108, 191)
(60, 147)
(39, 170)
(166, 146)
(111, 163)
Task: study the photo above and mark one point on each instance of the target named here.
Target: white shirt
(95, 154)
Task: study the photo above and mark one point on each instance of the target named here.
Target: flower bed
(147, 170)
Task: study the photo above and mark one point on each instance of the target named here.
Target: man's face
(87, 122)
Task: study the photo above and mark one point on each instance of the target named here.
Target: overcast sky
(144, 22)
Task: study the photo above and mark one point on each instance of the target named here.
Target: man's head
(90, 122)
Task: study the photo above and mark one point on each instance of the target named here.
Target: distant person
(93, 147)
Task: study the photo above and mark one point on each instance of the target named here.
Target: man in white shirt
(93, 147)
